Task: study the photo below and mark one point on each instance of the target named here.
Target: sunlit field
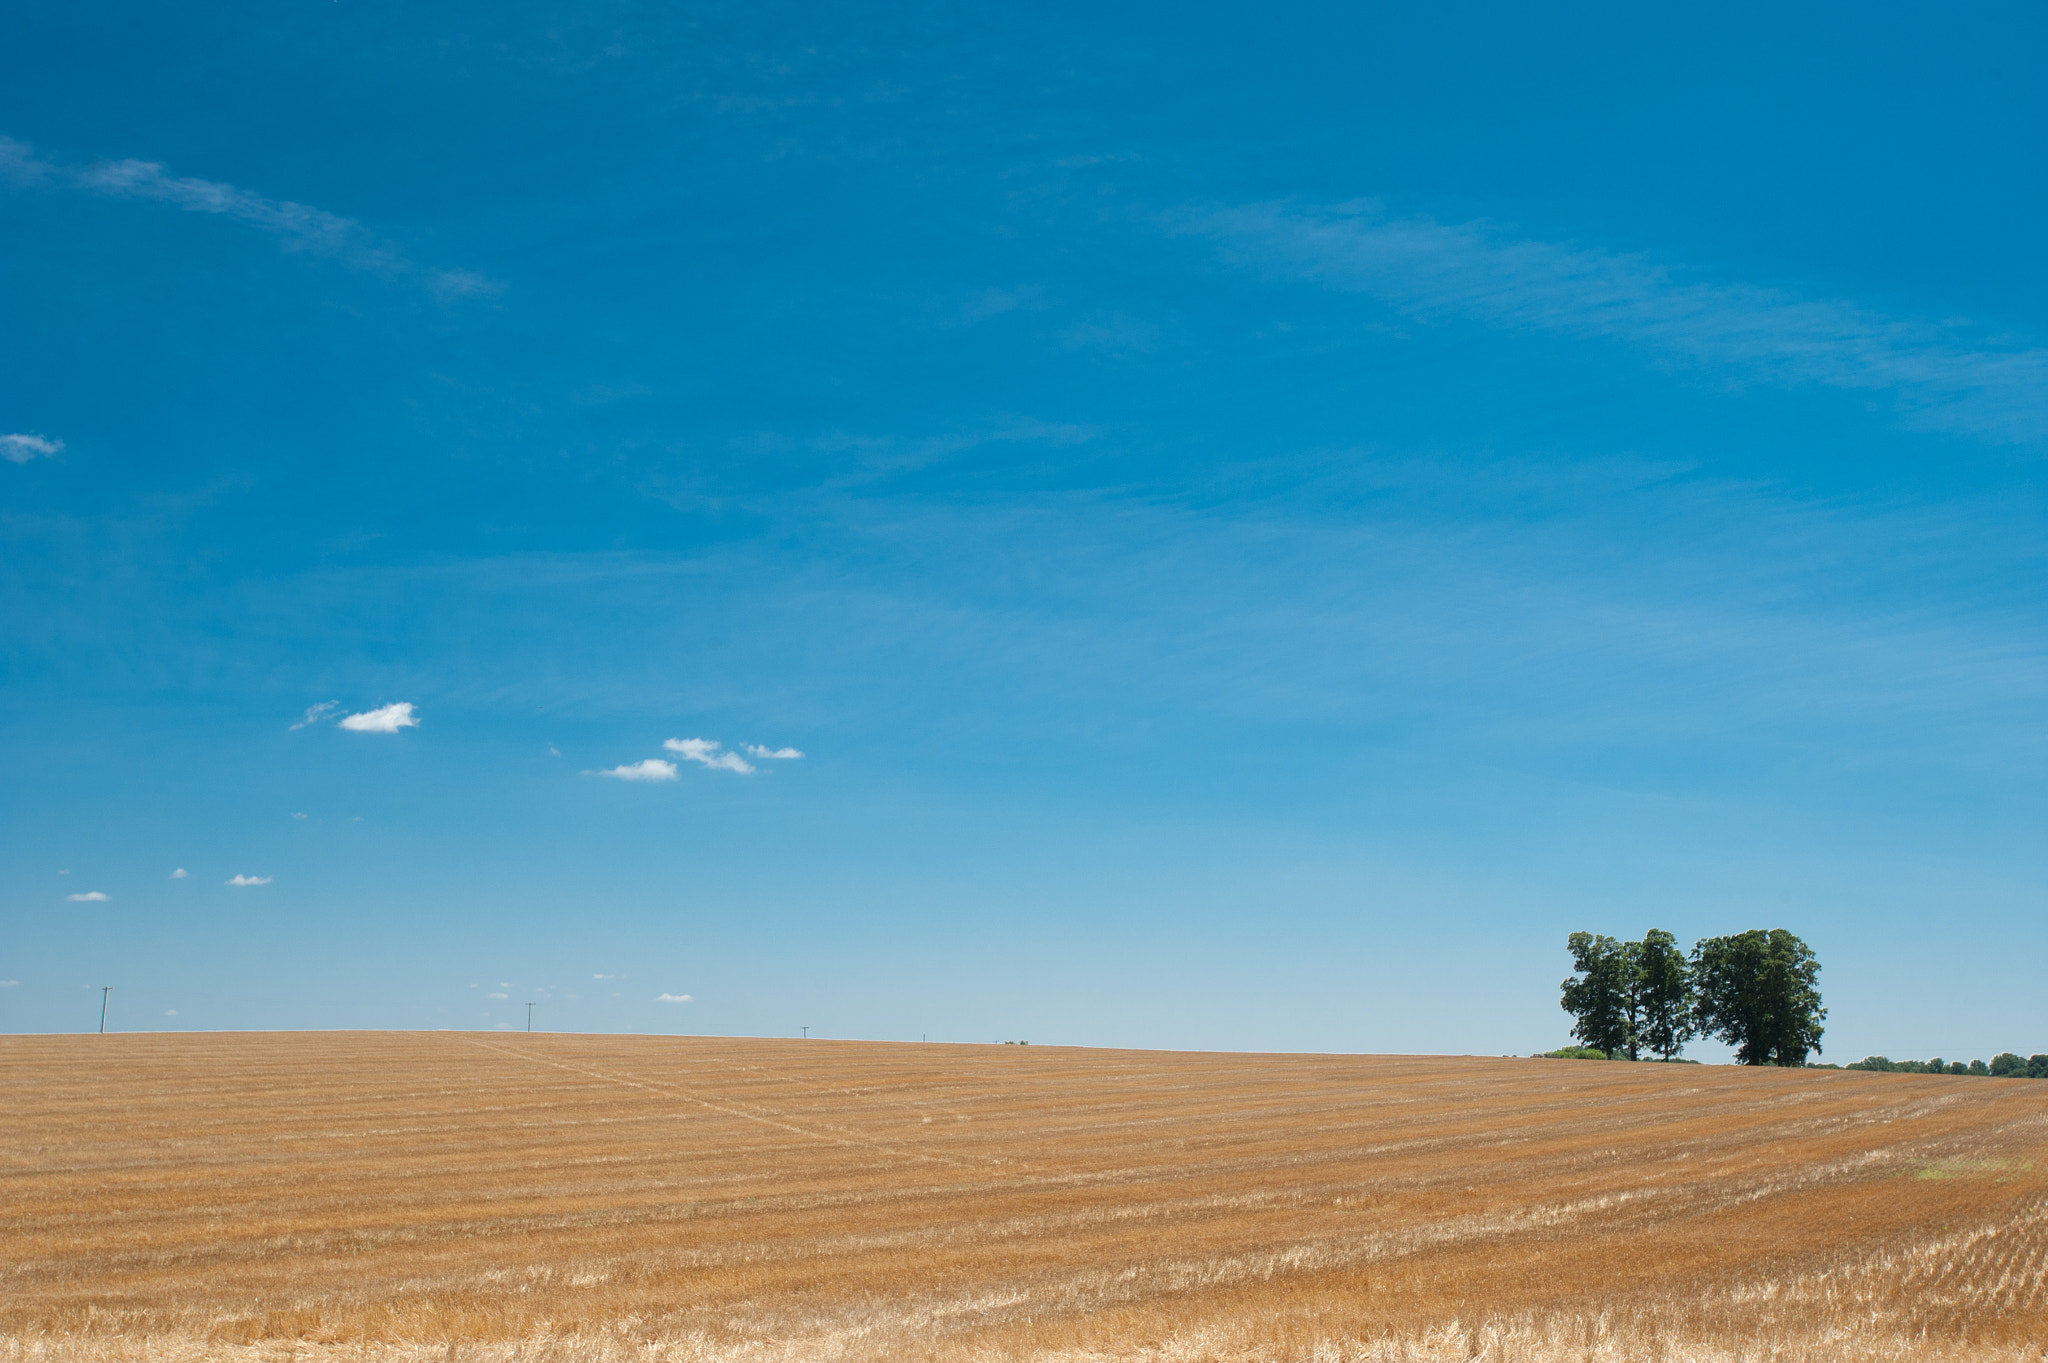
(496, 1197)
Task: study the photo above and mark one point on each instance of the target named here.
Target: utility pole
(529, 1017)
(105, 990)
(807, 1033)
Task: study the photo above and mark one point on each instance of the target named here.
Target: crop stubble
(490, 1197)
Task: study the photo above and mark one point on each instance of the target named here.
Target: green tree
(1663, 994)
(1757, 991)
(1598, 993)
(2007, 1065)
(1632, 998)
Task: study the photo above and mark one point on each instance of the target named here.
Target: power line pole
(807, 1033)
(105, 990)
(529, 1017)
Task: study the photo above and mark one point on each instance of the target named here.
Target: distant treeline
(2007, 1065)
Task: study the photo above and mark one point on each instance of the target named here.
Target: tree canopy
(1758, 991)
(1663, 994)
(1598, 994)
(1755, 990)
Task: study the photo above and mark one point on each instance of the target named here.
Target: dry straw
(678, 1200)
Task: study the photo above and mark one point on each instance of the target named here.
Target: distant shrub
(1574, 1053)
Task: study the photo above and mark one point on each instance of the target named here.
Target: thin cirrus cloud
(248, 880)
(705, 752)
(672, 998)
(388, 719)
(299, 226)
(653, 769)
(314, 713)
(89, 897)
(1941, 376)
(20, 447)
(773, 754)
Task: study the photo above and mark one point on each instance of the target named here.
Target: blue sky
(1259, 520)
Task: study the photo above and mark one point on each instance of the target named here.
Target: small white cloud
(554, 751)
(773, 754)
(298, 816)
(180, 873)
(248, 880)
(604, 977)
(504, 984)
(314, 712)
(8, 984)
(653, 769)
(672, 998)
(706, 752)
(170, 1012)
(388, 719)
(89, 897)
(497, 996)
(20, 447)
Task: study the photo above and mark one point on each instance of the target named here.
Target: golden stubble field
(493, 1197)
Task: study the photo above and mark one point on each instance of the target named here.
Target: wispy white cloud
(9, 984)
(20, 447)
(89, 897)
(170, 1012)
(314, 713)
(497, 996)
(672, 998)
(773, 754)
(705, 752)
(995, 302)
(1116, 332)
(180, 873)
(298, 816)
(604, 977)
(1942, 376)
(882, 456)
(248, 880)
(299, 226)
(653, 769)
(451, 285)
(388, 719)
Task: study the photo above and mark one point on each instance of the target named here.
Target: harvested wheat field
(491, 1197)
